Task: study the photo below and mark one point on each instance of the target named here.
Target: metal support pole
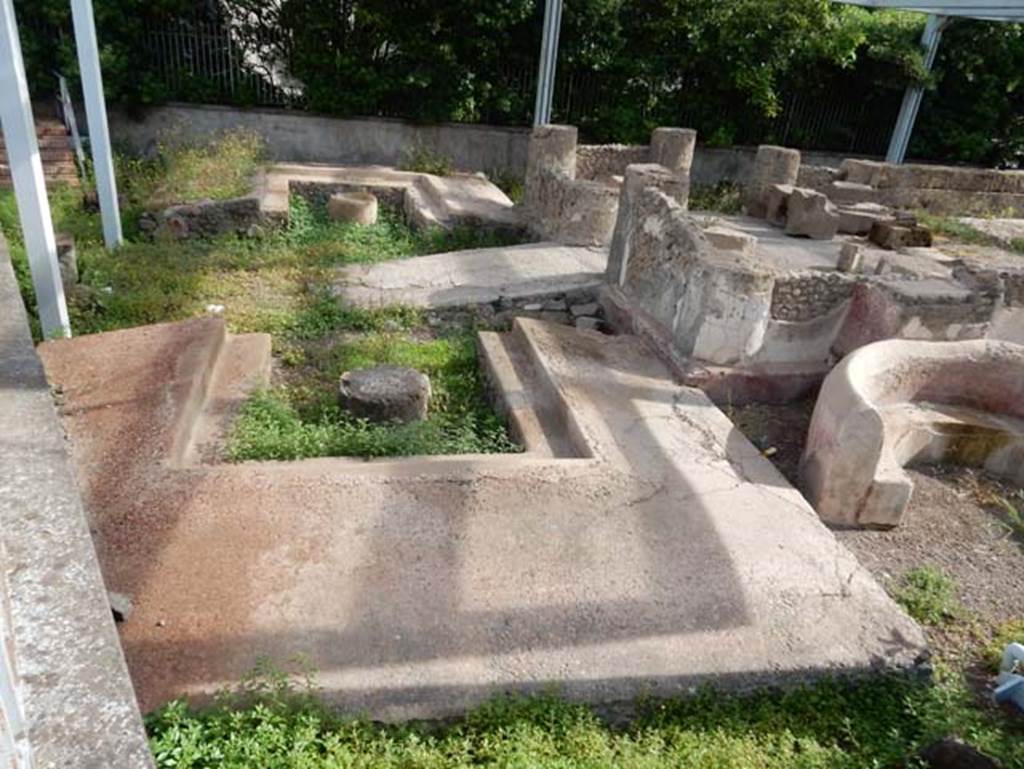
(29, 184)
(96, 113)
(912, 98)
(548, 60)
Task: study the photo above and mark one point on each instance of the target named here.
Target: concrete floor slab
(666, 553)
(475, 276)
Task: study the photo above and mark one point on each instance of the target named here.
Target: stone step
(422, 208)
(242, 365)
(533, 409)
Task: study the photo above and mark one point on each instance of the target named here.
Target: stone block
(353, 207)
(673, 148)
(638, 178)
(850, 258)
(385, 394)
(772, 165)
(857, 219)
(892, 235)
(552, 149)
(860, 171)
(816, 177)
(811, 214)
(776, 203)
(729, 239)
(851, 193)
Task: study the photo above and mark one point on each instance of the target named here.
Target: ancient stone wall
(603, 161)
(572, 192)
(939, 189)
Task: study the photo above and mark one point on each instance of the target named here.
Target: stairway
(55, 151)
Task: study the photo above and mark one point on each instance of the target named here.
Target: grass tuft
(928, 595)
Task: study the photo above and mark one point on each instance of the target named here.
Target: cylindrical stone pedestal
(673, 148)
(773, 165)
(355, 207)
(385, 394)
(552, 148)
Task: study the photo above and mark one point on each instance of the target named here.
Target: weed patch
(833, 724)
(928, 595)
(722, 198)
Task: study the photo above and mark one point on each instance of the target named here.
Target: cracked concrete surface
(662, 553)
(474, 276)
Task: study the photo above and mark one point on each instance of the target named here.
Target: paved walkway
(663, 553)
(474, 277)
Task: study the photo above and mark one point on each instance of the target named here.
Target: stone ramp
(663, 552)
(474, 276)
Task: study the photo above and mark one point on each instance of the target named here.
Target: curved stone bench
(894, 402)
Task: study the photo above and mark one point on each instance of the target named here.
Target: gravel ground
(955, 520)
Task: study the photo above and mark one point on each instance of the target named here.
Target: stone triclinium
(640, 544)
(895, 402)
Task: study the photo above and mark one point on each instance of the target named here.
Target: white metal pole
(548, 60)
(912, 98)
(29, 184)
(96, 113)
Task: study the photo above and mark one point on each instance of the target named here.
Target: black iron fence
(206, 61)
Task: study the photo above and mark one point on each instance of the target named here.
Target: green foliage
(831, 725)
(722, 198)
(221, 167)
(425, 161)
(928, 595)
(1007, 633)
(305, 421)
(976, 113)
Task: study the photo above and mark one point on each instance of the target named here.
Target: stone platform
(475, 276)
(641, 545)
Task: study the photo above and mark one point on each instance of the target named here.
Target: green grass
(928, 595)
(279, 284)
(722, 198)
(425, 161)
(296, 422)
(219, 168)
(267, 284)
(831, 725)
(954, 229)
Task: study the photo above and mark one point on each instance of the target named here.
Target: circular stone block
(385, 394)
(355, 207)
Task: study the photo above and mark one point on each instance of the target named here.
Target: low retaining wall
(64, 687)
(304, 137)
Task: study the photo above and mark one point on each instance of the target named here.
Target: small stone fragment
(587, 323)
(385, 394)
(120, 605)
(850, 258)
(533, 307)
(588, 308)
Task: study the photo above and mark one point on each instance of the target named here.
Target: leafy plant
(928, 595)
(425, 161)
(722, 198)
